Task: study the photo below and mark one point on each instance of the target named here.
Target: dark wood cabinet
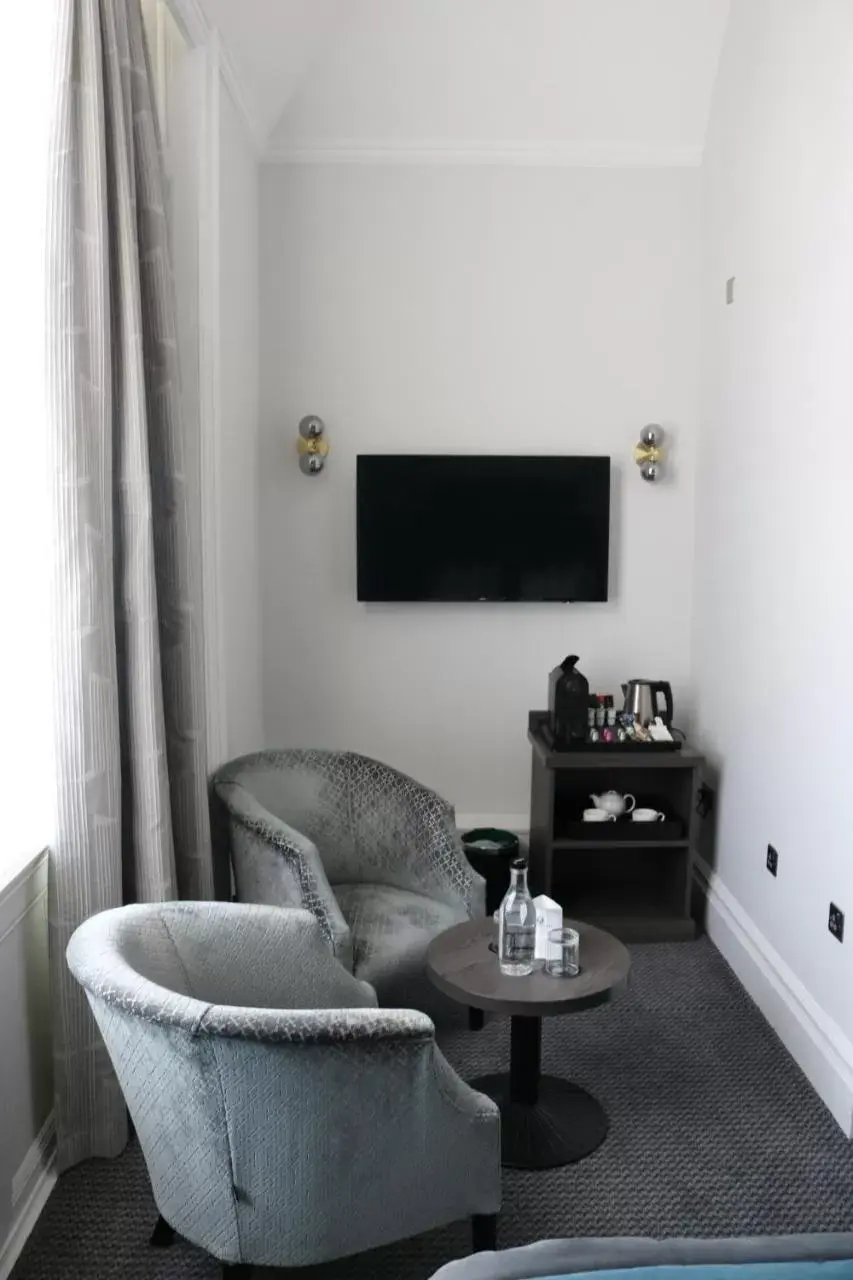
(631, 878)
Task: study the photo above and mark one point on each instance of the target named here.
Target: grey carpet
(714, 1132)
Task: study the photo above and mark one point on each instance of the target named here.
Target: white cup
(647, 815)
(598, 815)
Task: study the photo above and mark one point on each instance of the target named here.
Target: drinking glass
(563, 953)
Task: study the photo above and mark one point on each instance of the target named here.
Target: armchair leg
(163, 1235)
(476, 1019)
(484, 1231)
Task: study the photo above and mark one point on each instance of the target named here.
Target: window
(25, 737)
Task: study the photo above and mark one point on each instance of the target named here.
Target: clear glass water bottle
(517, 925)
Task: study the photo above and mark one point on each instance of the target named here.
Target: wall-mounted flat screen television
(455, 527)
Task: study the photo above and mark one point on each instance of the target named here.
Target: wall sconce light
(648, 454)
(311, 446)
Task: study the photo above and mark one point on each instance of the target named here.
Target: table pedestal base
(565, 1123)
(545, 1121)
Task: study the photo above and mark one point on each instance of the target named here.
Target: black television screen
(482, 528)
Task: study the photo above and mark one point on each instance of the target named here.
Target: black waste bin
(490, 851)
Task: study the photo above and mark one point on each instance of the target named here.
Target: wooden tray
(539, 723)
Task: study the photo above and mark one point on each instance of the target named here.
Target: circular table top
(461, 965)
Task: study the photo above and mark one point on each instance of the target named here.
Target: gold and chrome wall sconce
(648, 454)
(312, 447)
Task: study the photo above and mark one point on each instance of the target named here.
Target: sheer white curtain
(128, 677)
(25, 751)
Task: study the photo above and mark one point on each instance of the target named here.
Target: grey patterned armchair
(284, 1119)
(373, 854)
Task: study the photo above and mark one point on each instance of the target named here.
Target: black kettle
(568, 701)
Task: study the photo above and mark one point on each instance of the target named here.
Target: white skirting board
(34, 1182)
(815, 1042)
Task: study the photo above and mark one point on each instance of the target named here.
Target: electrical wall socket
(772, 860)
(836, 922)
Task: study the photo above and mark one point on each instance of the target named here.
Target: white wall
(470, 310)
(774, 572)
(26, 1079)
(238, 426)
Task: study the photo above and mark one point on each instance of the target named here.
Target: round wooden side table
(545, 1121)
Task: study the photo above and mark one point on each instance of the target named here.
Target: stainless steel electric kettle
(641, 700)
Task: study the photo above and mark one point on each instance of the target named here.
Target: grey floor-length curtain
(132, 818)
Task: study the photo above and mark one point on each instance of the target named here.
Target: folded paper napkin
(549, 915)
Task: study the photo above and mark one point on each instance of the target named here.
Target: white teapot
(612, 802)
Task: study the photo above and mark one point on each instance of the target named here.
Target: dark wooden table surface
(461, 965)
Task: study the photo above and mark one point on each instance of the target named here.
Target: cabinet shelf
(636, 883)
(636, 922)
(619, 844)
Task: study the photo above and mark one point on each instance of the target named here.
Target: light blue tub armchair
(284, 1118)
(371, 853)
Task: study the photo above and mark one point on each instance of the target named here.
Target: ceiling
(561, 77)
(272, 45)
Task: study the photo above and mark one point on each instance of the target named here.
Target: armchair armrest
(398, 1143)
(347, 1025)
(275, 864)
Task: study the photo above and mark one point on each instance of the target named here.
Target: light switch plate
(730, 290)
